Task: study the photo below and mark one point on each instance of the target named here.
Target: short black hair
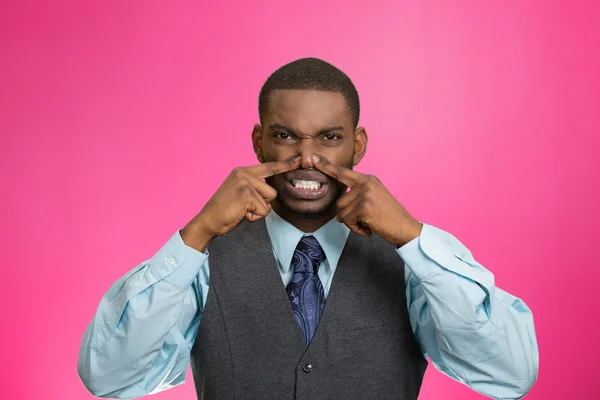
(311, 74)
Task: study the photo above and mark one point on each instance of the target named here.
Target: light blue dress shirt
(140, 338)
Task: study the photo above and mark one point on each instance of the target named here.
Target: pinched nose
(306, 149)
(306, 161)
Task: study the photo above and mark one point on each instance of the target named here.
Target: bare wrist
(411, 234)
(197, 235)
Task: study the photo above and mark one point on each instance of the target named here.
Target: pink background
(119, 120)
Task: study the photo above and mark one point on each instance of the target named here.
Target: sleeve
(140, 338)
(471, 330)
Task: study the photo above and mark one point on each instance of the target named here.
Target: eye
(331, 136)
(283, 135)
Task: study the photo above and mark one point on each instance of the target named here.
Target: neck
(303, 222)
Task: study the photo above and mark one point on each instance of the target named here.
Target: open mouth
(306, 189)
(306, 185)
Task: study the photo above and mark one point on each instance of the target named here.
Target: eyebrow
(321, 132)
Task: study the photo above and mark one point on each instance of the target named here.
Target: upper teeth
(306, 184)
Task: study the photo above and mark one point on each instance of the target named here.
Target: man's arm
(140, 338)
(471, 330)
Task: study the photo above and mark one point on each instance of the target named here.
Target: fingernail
(316, 158)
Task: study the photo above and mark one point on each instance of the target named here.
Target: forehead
(307, 110)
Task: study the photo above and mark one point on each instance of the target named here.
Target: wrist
(197, 235)
(413, 232)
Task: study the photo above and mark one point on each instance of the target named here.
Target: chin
(307, 208)
(308, 211)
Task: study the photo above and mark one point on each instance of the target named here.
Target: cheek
(277, 181)
(337, 156)
(278, 153)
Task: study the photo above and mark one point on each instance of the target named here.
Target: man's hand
(243, 194)
(369, 207)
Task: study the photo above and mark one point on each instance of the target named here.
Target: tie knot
(309, 253)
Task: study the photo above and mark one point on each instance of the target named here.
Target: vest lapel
(256, 239)
(342, 279)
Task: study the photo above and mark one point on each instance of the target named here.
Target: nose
(305, 151)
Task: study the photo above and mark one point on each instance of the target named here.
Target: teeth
(311, 185)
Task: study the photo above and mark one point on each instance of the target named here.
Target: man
(312, 284)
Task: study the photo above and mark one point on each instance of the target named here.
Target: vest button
(307, 367)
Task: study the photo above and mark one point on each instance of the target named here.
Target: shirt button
(171, 261)
(307, 367)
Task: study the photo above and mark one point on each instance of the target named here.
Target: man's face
(299, 122)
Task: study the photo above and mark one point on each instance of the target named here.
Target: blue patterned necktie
(305, 290)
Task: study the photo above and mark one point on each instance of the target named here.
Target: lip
(307, 176)
(307, 194)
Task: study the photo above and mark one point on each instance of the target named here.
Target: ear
(360, 144)
(257, 142)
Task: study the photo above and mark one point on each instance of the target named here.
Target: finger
(253, 217)
(352, 221)
(350, 217)
(256, 215)
(265, 190)
(255, 204)
(346, 198)
(363, 231)
(346, 176)
(271, 168)
(349, 213)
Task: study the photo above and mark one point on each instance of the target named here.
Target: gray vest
(249, 346)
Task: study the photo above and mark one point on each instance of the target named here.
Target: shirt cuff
(419, 253)
(437, 252)
(178, 263)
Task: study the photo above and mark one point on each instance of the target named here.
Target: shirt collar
(285, 237)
